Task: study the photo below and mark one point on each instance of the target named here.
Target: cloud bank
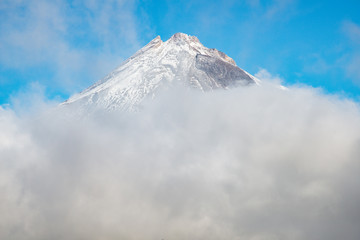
(251, 163)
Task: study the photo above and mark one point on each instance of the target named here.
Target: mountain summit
(182, 59)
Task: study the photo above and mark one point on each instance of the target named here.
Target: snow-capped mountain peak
(181, 59)
(183, 38)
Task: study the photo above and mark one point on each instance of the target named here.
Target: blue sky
(62, 47)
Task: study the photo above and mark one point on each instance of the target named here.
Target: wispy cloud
(253, 3)
(352, 31)
(75, 41)
(272, 10)
(316, 64)
(280, 9)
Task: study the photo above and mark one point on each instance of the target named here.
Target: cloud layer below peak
(249, 163)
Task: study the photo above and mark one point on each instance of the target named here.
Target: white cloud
(47, 34)
(266, 76)
(250, 163)
(31, 100)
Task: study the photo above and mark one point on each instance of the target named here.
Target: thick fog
(254, 163)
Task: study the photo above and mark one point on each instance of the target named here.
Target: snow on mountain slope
(180, 60)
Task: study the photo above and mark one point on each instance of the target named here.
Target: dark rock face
(224, 73)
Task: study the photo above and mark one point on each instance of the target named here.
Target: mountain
(180, 60)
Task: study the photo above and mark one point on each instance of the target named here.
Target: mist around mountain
(248, 162)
